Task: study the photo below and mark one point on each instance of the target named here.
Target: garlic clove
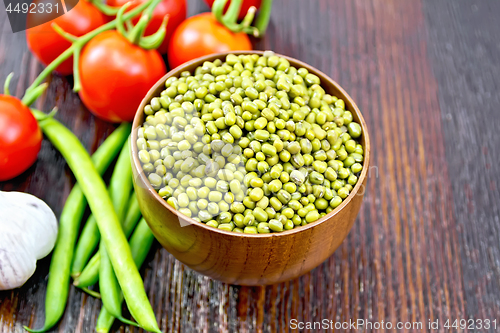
(16, 266)
(28, 232)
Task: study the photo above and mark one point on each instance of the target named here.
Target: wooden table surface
(426, 75)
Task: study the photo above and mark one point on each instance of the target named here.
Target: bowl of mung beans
(249, 167)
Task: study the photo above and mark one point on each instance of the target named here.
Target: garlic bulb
(28, 232)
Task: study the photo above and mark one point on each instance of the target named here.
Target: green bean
(69, 224)
(260, 215)
(87, 243)
(275, 225)
(275, 185)
(140, 244)
(350, 146)
(283, 196)
(336, 201)
(92, 293)
(343, 192)
(349, 161)
(263, 202)
(109, 287)
(119, 190)
(343, 173)
(290, 187)
(357, 157)
(356, 167)
(120, 187)
(256, 194)
(263, 228)
(133, 215)
(90, 274)
(250, 230)
(321, 204)
(354, 130)
(226, 226)
(101, 206)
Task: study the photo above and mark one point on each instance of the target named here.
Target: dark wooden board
(466, 63)
(425, 246)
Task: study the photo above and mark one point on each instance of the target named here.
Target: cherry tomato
(202, 35)
(20, 138)
(47, 45)
(244, 7)
(116, 75)
(175, 9)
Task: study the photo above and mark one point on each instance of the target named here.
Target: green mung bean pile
(250, 145)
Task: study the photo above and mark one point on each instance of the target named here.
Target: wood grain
(466, 57)
(425, 245)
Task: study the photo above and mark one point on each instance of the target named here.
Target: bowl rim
(176, 72)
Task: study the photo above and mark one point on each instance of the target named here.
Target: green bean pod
(88, 241)
(90, 274)
(69, 224)
(133, 215)
(120, 184)
(101, 205)
(109, 287)
(119, 189)
(140, 244)
(92, 293)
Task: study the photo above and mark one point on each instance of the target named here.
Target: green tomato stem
(233, 11)
(129, 25)
(264, 17)
(247, 21)
(69, 37)
(218, 9)
(31, 96)
(138, 31)
(230, 18)
(6, 85)
(77, 84)
(105, 9)
(154, 41)
(119, 20)
(78, 44)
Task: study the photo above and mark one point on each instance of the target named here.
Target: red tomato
(116, 75)
(20, 138)
(202, 35)
(47, 44)
(175, 9)
(244, 7)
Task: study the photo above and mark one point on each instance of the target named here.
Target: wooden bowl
(246, 259)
